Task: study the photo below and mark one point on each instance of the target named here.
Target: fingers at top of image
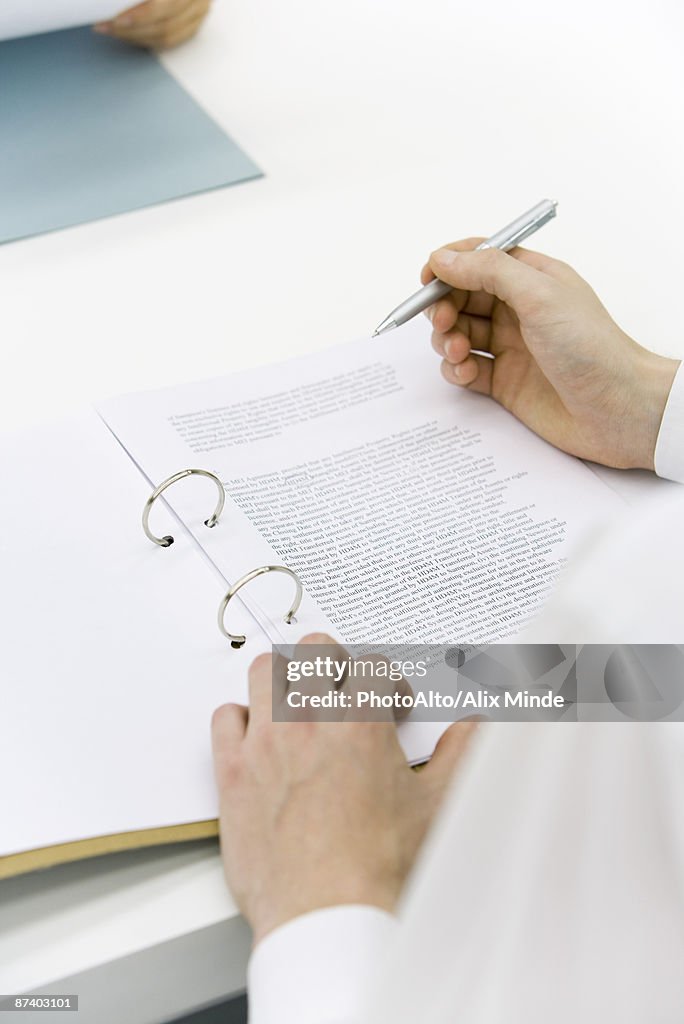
(152, 28)
(157, 38)
(154, 12)
(139, 16)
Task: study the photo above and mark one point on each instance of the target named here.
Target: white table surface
(384, 127)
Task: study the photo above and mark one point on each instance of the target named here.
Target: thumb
(449, 752)
(519, 285)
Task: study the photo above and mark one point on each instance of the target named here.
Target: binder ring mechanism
(166, 542)
(237, 640)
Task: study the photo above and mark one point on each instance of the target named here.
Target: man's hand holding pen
(529, 332)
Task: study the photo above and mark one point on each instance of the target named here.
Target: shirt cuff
(318, 968)
(669, 452)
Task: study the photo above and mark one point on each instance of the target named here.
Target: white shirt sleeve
(317, 969)
(669, 453)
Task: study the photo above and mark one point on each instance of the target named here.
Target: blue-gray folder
(91, 127)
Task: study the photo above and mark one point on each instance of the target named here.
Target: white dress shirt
(669, 453)
(552, 887)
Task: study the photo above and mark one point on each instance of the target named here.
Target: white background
(384, 127)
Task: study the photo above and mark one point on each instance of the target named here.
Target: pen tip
(387, 324)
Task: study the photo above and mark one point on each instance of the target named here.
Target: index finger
(539, 260)
(458, 300)
(267, 686)
(330, 660)
(383, 685)
(444, 313)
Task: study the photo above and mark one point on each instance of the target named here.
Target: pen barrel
(420, 300)
(513, 234)
(434, 291)
(522, 227)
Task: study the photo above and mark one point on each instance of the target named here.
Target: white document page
(112, 662)
(28, 17)
(412, 511)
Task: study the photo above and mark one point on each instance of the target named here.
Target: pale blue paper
(91, 127)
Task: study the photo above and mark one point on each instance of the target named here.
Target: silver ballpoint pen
(513, 234)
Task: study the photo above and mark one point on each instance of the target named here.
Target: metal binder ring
(236, 640)
(166, 542)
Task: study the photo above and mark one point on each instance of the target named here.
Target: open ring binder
(166, 542)
(237, 640)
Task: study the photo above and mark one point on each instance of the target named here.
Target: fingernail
(429, 312)
(455, 371)
(445, 258)
(103, 28)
